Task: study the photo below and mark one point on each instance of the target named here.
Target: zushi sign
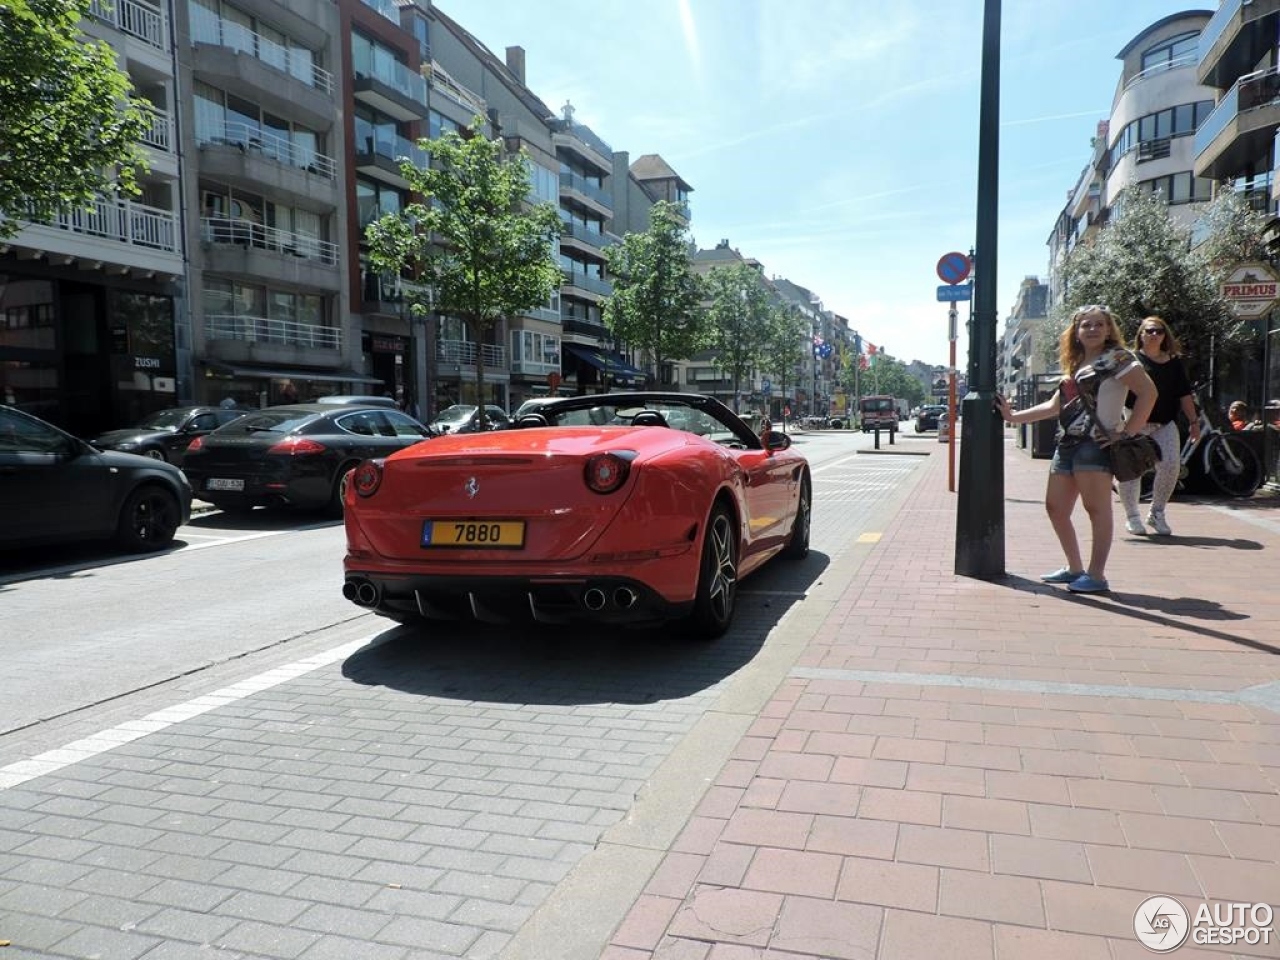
(1251, 290)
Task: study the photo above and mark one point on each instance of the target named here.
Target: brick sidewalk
(996, 770)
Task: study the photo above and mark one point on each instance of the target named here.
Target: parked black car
(465, 418)
(56, 488)
(296, 456)
(927, 418)
(166, 434)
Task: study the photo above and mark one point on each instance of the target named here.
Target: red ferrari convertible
(622, 508)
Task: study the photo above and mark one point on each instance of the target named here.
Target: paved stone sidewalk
(996, 770)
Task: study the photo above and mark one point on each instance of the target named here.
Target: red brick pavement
(977, 816)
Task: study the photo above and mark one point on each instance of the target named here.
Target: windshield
(455, 414)
(164, 420)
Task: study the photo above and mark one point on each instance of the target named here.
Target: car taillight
(367, 478)
(195, 445)
(296, 445)
(606, 472)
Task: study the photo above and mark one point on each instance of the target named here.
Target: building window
(1181, 49)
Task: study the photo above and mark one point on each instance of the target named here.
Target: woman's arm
(1192, 414)
(1041, 411)
(1144, 392)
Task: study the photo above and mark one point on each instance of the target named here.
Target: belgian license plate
(219, 483)
(476, 534)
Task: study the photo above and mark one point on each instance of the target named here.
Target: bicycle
(1228, 461)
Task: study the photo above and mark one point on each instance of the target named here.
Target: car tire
(797, 547)
(337, 497)
(155, 453)
(148, 519)
(717, 577)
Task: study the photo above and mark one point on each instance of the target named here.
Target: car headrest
(648, 418)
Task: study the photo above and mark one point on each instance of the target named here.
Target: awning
(610, 364)
(323, 376)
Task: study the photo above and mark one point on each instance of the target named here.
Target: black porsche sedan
(294, 456)
(55, 488)
(166, 434)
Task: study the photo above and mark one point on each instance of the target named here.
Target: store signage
(1251, 289)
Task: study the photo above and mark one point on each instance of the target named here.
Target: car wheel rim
(724, 572)
(155, 454)
(803, 520)
(152, 519)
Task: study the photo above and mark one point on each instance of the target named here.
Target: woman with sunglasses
(1092, 354)
(1159, 350)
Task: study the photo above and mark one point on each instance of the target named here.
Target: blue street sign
(960, 291)
(766, 386)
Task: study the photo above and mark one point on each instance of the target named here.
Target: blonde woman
(1092, 354)
(1158, 350)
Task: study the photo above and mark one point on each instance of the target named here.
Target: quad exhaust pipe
(360, 592)
(622, 598)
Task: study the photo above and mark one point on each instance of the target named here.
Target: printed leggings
(1166, 476)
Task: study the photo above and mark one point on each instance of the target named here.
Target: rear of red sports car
(554, 525)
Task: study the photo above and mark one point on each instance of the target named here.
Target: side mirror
(776, 440)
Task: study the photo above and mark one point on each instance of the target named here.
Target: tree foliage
(1143, 263)
(883, 376)
(787, 343)
(69, 130)
(656, 300)
(483, 252)
(738, 314)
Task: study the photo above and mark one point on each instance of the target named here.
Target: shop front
(86, 355)
(256, 387)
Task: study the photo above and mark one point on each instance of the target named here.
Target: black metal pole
(980, 508)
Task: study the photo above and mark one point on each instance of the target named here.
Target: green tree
(786, 344)
(1143, 264)
(738, 314)
(69, 128)
(656, 301)
(1232, 232)
(482, 250)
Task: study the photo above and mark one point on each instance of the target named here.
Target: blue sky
(836, 140)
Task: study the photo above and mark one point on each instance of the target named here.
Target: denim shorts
(1080, 457)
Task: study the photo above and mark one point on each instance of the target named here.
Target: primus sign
(1251, 289)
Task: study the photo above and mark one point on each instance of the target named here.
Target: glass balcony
(270, 145)
(371, 64)
(267, 330)
(295, 61)
(223, 230)
(387, 8)
(390, 146)
(1242, 110)
(580, 184)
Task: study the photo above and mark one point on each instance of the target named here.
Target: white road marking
(51, 761)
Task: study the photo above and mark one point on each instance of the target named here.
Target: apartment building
(91, 333)
(1239, 58)
(1018, 363)
(263, 182)
(1148, 140)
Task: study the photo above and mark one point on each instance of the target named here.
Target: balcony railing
(160, 133)
(265, 330)
(464, 352)
(391, 146)
(223, 230)
(581, 184)
(592, 238)
(133, 223)
(385, 7)
(393, 73)
(225, 33)
(441, 82)
(584, 282)
(1177, 63)
(268, 144)
(140, 20)
(1216, 27)
(1253, 90)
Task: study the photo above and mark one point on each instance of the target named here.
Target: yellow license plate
(476, 534)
